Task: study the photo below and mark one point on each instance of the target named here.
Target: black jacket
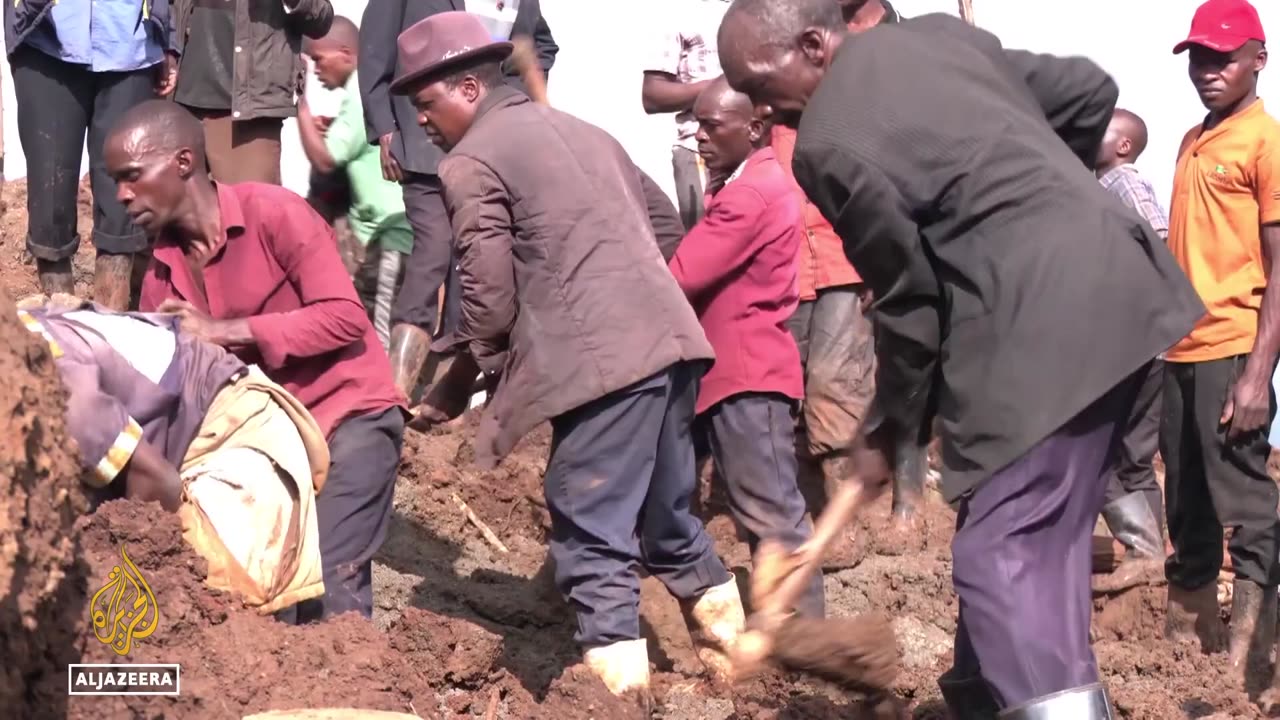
(1012, 289)
(384, 113)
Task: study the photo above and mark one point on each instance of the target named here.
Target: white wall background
(603, 50)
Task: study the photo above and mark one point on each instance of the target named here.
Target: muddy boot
(968, 697)
(624, 669)
(715, 620)
(56, 276)
(1130, 520)
(409, 347)
(1193, 616)
(1089, 702)
(112, 276)
(1252, 632)
(1270, 699)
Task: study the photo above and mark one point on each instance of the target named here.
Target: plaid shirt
(688, 52)
(1135, 191)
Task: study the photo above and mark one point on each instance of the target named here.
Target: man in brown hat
(565, 295)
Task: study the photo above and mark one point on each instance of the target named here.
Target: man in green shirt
(377, 214)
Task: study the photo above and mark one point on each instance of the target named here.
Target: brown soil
(41, 576)
(462, 629)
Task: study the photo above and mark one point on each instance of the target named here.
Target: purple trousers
(1022, 560)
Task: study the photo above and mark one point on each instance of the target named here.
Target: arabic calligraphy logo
(124, 609)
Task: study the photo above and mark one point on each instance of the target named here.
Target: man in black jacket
(409, 157)
(1013, 295)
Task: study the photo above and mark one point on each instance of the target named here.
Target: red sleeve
(331, 316)
(721, 243)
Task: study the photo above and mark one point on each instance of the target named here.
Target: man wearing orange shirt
(835, 337)
(1224, 229)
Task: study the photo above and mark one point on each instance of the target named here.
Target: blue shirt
(106, 35)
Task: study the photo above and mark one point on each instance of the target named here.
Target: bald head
(776, 51)
(1129, 125)
(343, 34)
(778, 22)
(159, 126)
(719, 95)
(1124, 141)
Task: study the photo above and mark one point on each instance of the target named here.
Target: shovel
(860, 651)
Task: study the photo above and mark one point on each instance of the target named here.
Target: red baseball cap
(1223, 25)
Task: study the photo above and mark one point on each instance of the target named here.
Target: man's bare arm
(149, 476)
(1248, 407)
(663, 93)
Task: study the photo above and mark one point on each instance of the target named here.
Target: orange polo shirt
(821, 262)
(1226, 187)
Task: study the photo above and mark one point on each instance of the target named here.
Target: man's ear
(470, 89)
(1124, 146)
(756, 129)
(813, 43)
(185, 160)
(1260, 60)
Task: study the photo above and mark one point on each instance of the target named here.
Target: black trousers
(1211, 485)
(58, 104)
(1133, 471)
(428, 266)
(353, 508)
(753, 441)
(619, 484)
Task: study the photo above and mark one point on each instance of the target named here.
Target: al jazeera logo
(123, 611)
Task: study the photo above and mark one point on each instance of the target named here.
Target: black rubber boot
(968, 697)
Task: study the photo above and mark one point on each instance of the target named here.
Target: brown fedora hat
(443, 42)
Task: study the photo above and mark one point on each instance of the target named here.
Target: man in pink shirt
(253, 268)
(737, 266)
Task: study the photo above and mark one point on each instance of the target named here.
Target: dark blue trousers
(619, 485)
(753, 442)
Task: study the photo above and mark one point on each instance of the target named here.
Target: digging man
(160, 415)
(1012, 296)
(566, 297)
(253, 268)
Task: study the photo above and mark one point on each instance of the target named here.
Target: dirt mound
(236, 662)
(41, 579)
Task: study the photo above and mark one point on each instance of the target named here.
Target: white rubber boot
(622, 666)
(715, 620)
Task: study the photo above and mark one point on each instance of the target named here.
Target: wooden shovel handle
(841, 508)
(525, 59)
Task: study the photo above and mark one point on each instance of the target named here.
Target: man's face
(1223, 79)
(445, 112)
(150, 184)
(726, 133)
(780, 79)
(333, 64)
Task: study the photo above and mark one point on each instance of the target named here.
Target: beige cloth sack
(250, 480)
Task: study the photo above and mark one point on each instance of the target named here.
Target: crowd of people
(884, 228)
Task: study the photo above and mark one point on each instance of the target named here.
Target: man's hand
(871, 458)
(449, 397)
(390, 168)
(167, 75)
(322, 123)
(1248, 406)
(195, 322)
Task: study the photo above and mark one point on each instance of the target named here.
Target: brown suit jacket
(564, 289)
(1012, 289)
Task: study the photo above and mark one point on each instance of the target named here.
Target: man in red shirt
(737, 267)
(253, 268)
